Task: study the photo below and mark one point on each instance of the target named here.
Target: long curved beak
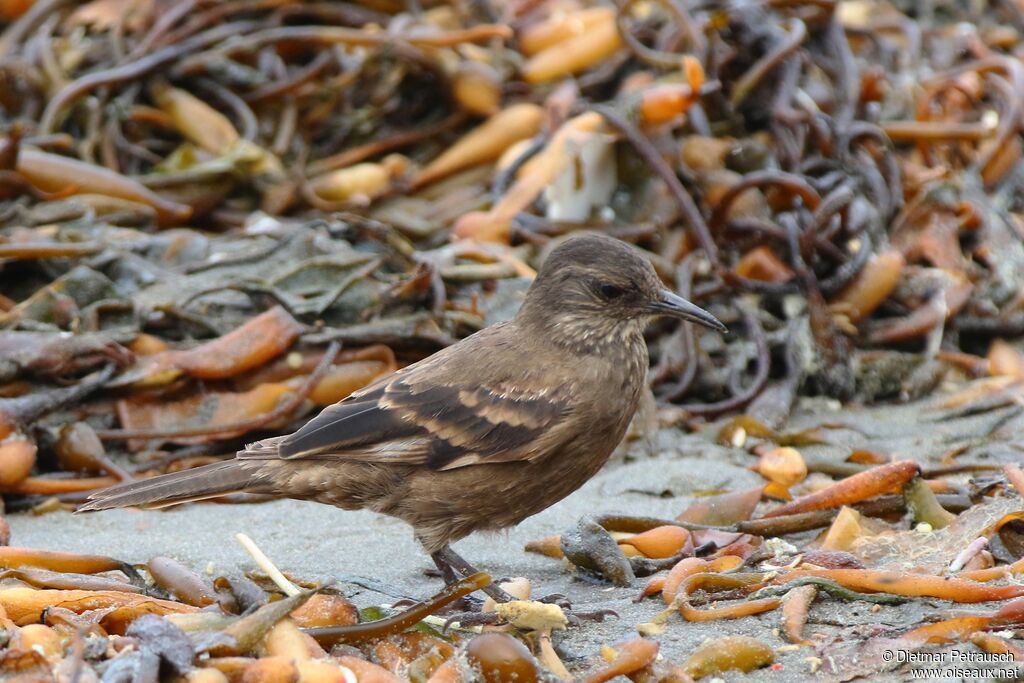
(671, 304)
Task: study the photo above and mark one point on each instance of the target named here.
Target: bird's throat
(594, 335)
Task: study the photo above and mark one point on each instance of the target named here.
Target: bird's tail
(200, 483)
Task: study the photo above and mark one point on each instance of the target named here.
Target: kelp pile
(85, 617)
(90, 617)
(887, 538)
(66, 616)
(837, 181)
(216, 217)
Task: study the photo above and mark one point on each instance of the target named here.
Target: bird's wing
(414, 418)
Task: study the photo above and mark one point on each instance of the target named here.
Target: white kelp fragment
(587, 182)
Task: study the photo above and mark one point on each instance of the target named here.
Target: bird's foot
(556, 599)
(576, 617)
(467, 604)
(478, 618)
(472, 618)
(450, 566)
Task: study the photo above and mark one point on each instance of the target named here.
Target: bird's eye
(611, 291)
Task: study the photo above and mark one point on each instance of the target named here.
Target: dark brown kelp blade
(329, 636)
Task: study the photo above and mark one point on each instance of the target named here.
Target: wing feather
(442, 426)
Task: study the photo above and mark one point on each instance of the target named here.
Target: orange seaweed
(860, 487)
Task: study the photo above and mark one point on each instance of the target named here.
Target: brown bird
(482, 434)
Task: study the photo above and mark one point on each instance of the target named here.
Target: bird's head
(593, 287)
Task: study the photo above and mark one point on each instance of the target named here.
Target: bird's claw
(563, 602)
(557, 599)
(464, 619)
(577, 618)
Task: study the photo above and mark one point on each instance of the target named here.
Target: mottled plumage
(482, 434)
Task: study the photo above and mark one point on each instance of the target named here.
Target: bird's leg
(451, 564)
(451, 577)
(448, 572)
